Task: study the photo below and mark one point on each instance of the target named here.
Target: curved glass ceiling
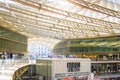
(61, 19)
(117, 1)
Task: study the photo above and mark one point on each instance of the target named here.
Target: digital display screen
(73, 66)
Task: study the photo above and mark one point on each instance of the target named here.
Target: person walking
(3, 58)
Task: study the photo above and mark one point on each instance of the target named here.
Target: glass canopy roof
(61, 19)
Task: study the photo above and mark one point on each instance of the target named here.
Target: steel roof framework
(34, 17)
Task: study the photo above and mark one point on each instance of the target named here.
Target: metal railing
(12, 62)
(107, 75)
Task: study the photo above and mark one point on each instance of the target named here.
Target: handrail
(19, 72)
(12, 62)
(15, 67)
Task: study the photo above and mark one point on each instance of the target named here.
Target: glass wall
(91, 45)
(37, 51)
(12, 42)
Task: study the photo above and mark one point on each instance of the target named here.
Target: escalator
(19, 72)
(12, 72)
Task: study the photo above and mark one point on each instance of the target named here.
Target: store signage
(73, 66)
(64, 75)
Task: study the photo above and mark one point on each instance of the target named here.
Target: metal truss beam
(58, 20)
(96, 8)
(59, 28)
(69, 14)
(46, 30)
(76, 27)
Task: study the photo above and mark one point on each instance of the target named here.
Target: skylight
(117, 1)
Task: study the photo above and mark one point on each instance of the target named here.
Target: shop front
(64, 69)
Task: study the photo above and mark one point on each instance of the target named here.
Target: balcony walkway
(8, 67)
